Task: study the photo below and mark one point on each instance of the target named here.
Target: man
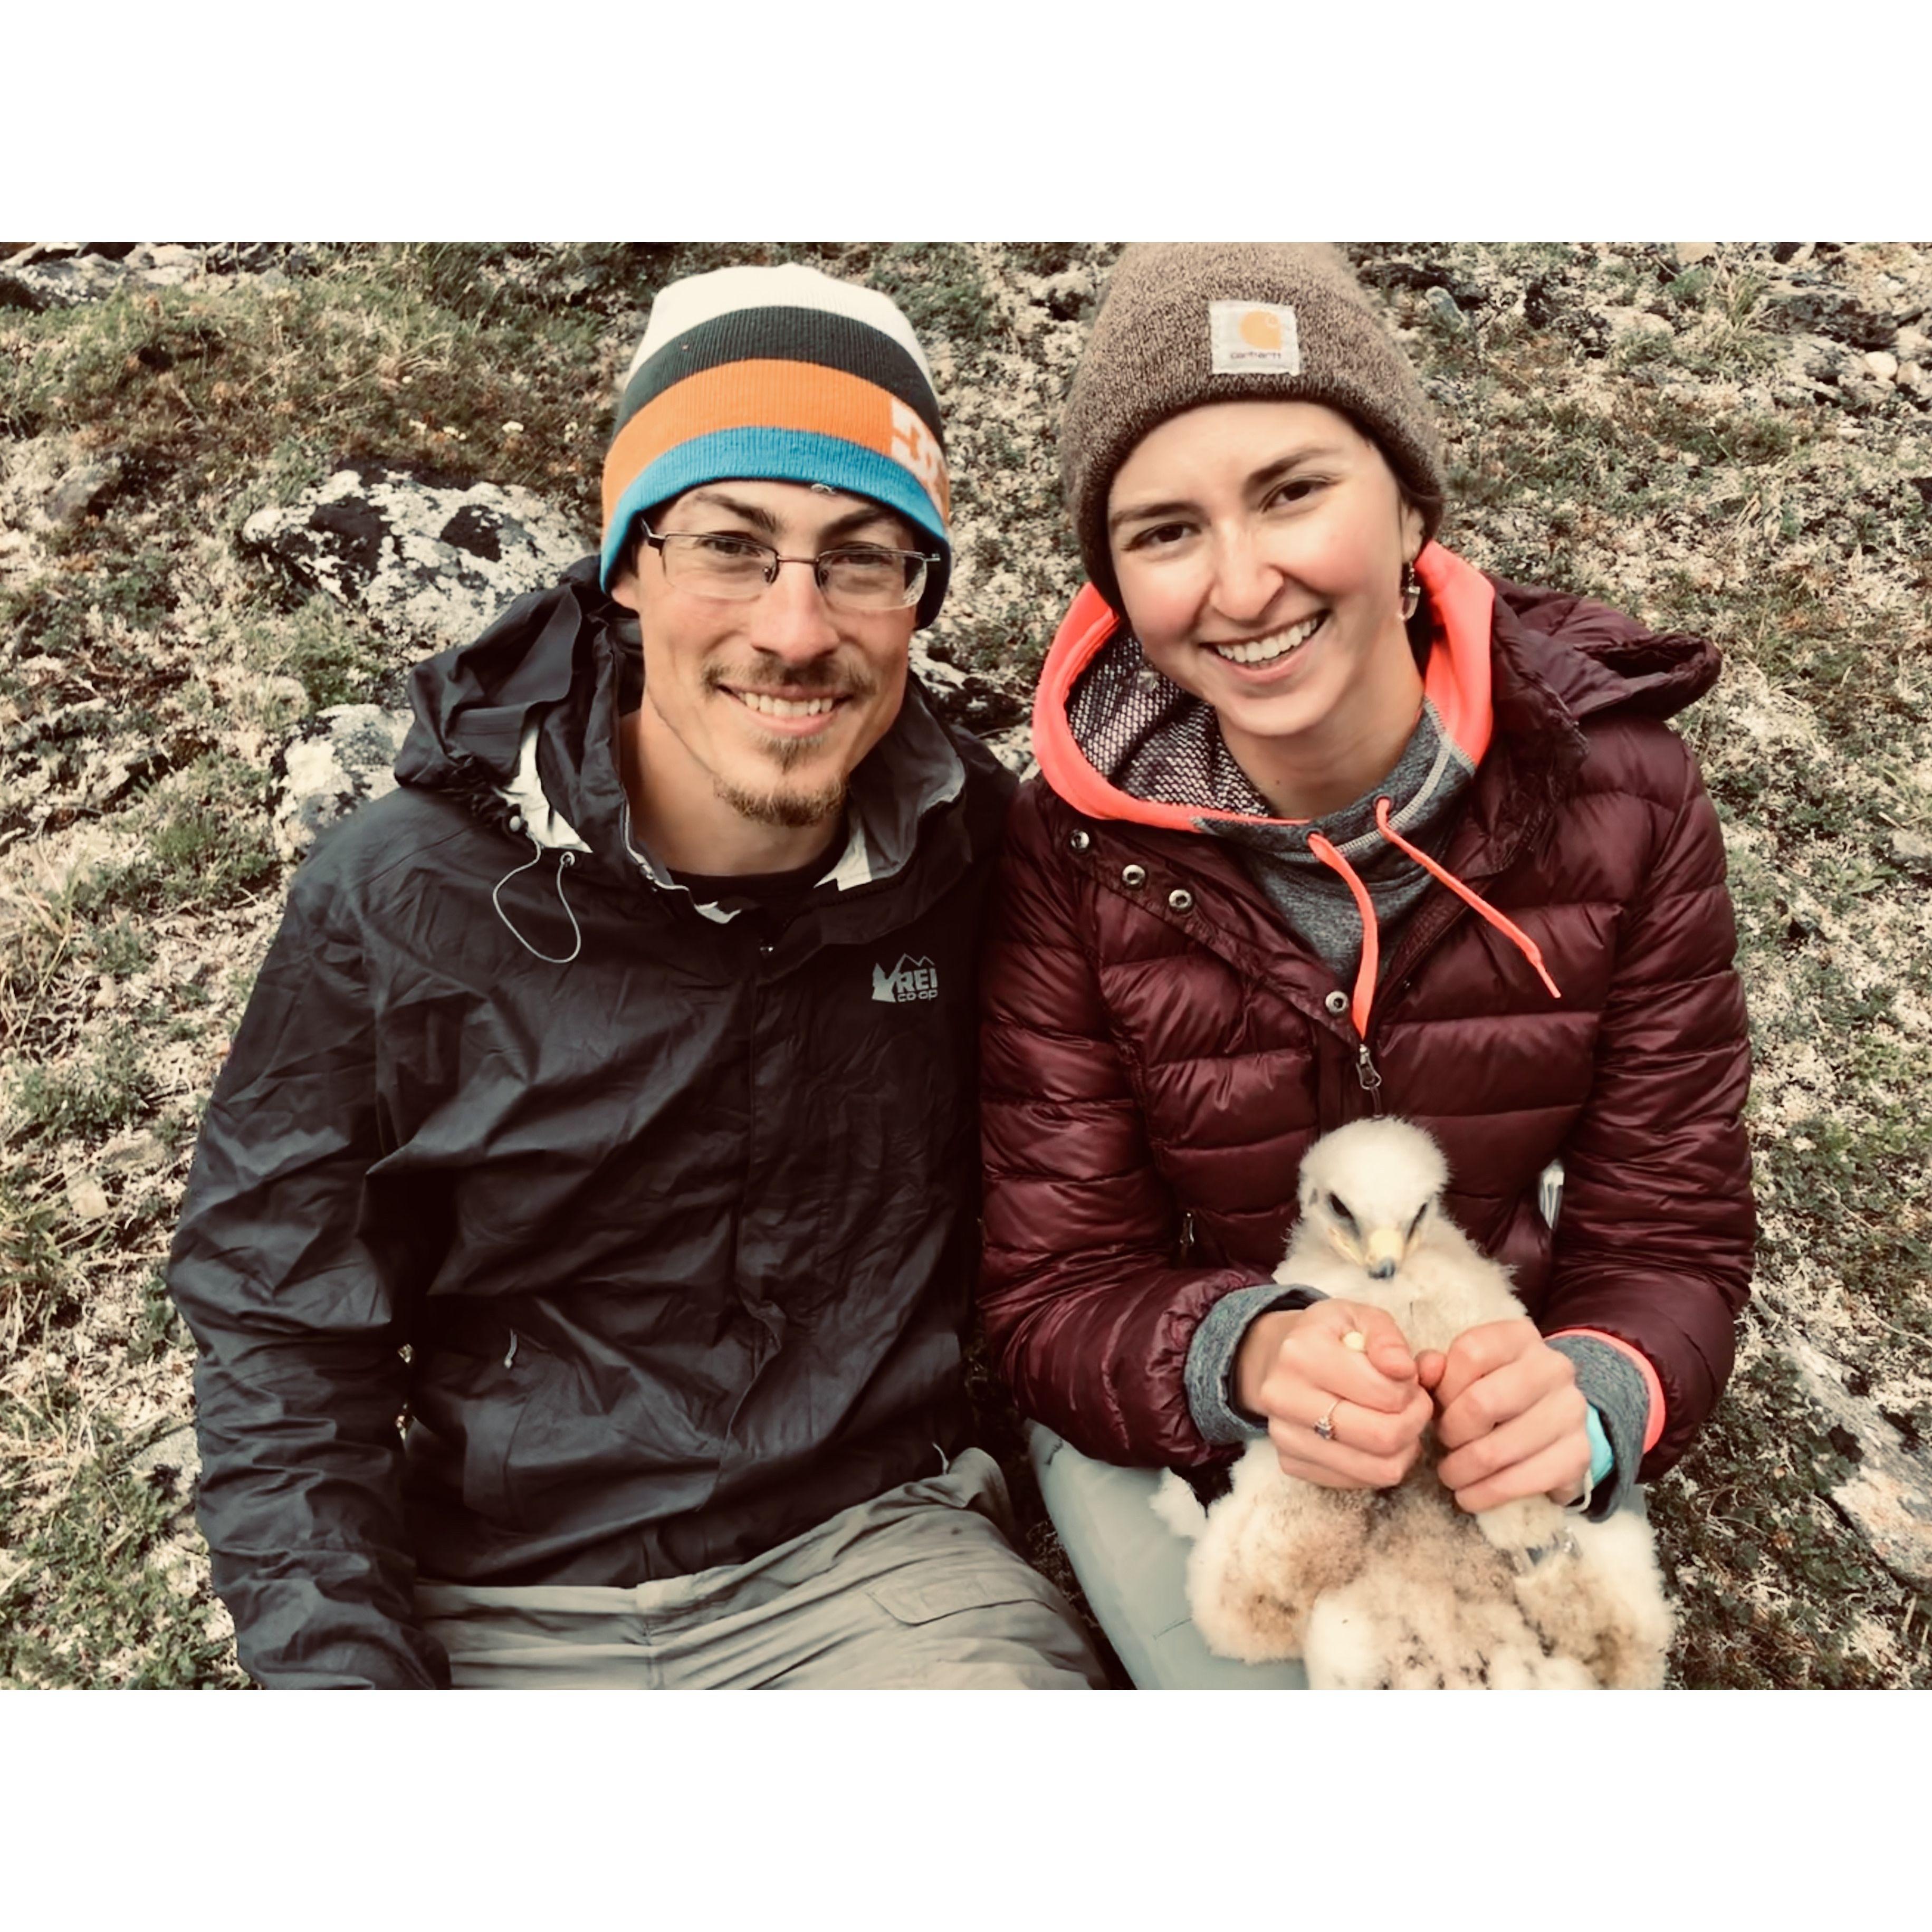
(604, 1109)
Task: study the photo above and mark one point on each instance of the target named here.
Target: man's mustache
(769, 672)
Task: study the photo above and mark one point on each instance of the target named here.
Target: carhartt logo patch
(1259, 336)
(909, 979)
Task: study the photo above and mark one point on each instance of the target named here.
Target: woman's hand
(1294, 1370)
(1511, 1420)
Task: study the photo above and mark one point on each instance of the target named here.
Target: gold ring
(1325, 1428)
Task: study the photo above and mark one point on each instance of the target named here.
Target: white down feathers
(1399, 1587)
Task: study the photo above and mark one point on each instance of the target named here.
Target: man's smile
(804, 715)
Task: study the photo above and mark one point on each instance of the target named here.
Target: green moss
(157, 1325)
(1690, 289)
(50, 617)
(97, 1096)
(36, 1290)
(121, 950)
(92, 1603)
(940, 287)
(333, 653)
(1837, 1185)
(208, 843)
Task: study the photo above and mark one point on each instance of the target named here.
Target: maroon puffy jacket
(1159, 1049)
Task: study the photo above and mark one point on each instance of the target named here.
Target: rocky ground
(243, 487)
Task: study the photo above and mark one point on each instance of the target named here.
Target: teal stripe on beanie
(785, 456)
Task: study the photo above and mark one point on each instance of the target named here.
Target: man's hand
(1510, 1420)
(1295, 1369)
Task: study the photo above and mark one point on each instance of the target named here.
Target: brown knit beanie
(1187, 322)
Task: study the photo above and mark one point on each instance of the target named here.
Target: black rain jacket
(659, 1247)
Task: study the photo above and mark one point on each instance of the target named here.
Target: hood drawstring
(563, 859)
(1366, 974)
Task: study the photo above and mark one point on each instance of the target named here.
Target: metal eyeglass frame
(925, 559)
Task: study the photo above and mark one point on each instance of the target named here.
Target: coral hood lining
(1456, 681)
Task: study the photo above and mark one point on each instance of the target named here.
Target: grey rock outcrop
(80, 489)
(991, 707)
(1889, 1498)
(335, 760)
(1913, 849)
(54, 274)
(427, 563)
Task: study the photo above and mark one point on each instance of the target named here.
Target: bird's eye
(1339, 1208)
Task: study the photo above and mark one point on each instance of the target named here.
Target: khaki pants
(1133, 1571)
(918, 1588)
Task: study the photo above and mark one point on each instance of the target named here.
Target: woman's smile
(1267, 652)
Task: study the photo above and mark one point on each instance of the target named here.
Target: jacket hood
(521, 725)
(505, 723)
(1586, 658)
(1598, 659)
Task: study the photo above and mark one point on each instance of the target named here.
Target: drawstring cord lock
(563, 859)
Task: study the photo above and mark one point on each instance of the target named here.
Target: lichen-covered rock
(46, 483)
(35, 286)
(1809, 305)
(336, 760)
(430, 563)
(52, 274)
(973, 701)
(1889, 1496)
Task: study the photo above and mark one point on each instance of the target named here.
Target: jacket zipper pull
(1549, 1192)
(1186, 1237)
(1371, 1081)
(510, 1354)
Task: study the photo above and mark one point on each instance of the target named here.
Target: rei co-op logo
(909, 979)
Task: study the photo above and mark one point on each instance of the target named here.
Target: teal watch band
(1603, 1458)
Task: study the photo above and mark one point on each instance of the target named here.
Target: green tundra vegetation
(1732, 439)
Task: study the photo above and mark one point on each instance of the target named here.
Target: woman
(1329, 823)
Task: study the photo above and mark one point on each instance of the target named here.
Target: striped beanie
(1183, 323)
(783, 374)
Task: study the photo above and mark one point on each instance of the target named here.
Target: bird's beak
(1382, 1255)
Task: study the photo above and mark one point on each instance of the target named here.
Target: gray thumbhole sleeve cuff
(1613, 1384)
(1210, 1358)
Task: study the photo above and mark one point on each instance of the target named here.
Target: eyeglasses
(853, 577)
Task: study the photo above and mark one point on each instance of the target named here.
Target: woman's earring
(1411, 592)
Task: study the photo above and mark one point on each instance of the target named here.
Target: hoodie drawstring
(563, 859)
(1526, 946)
(1366, 974)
